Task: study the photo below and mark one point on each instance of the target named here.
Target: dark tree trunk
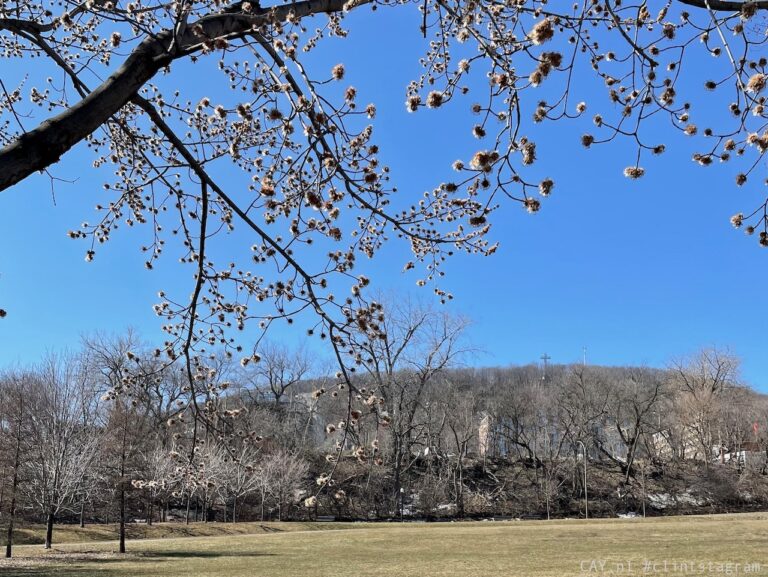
(49, 529)
(14, 485)
(122, 519)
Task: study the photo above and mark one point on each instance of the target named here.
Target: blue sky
(639, 272)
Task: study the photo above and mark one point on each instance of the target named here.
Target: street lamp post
(586, 500)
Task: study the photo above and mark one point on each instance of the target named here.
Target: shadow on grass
(46, 571)
(64, 567)
(197, 554)
(81, 564)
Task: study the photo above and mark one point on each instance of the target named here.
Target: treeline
(114, 434)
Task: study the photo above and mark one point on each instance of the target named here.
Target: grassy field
(524, 549)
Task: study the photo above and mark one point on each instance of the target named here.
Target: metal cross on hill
(545, 357)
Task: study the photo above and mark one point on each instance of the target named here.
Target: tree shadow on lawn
(81, 564)
(46, 571)
(198, 554)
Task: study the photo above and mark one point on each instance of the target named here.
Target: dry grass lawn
(709, 545)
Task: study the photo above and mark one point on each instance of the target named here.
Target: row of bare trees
(113, 433)
(103, 434)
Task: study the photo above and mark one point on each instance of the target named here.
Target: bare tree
(416, 344)
(63, 446)
(210, 477)
(126, 381)
(458, 407)
(241, 477)
(702, 380)
(158, 479)
(280, 477)
(279, 369)
(633, 404)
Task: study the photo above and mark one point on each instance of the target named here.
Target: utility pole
(586, 500)
(545, 357)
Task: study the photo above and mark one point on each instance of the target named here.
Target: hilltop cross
(545, 357)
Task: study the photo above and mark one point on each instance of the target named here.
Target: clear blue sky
(638, 272)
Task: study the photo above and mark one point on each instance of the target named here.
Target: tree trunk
(122, 518)
(14, 486)
(186, 518)
(82, 512)
(151, 511)
(49, 529)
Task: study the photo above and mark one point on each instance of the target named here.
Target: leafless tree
(633, 405)
(416, 344)
(279, 369)
(157, 478)
(127, 382)
(240, 477)
(702, 380)
(459, 409)
(63, 445)
(280, 476)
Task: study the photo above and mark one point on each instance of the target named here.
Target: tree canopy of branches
(313, 194)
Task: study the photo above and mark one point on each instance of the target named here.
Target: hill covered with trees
(106, 435)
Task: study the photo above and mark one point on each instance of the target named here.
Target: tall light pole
(642, 470)
(586, 500)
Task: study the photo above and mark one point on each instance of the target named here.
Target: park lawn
(478, 549)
